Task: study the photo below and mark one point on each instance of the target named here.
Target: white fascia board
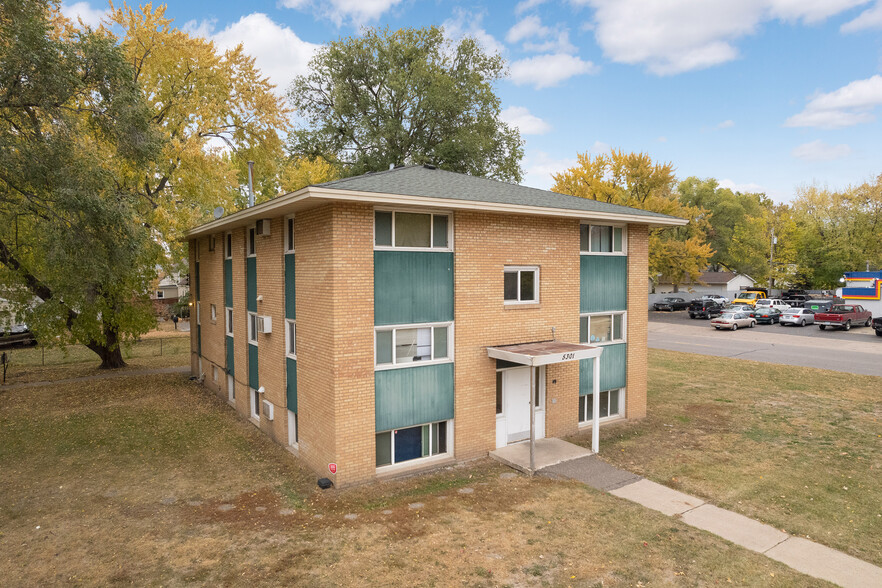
(281, 205)
(537, 360)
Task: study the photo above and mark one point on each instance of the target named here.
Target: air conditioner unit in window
(267, 410)
(264, 324)
(263, 227)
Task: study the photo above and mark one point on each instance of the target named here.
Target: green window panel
(251, 283)
(197, 281)
(291, 389)
(230, 356)
(412, 396)
(613, 369)
(604, 283)
(199, 339)
(228, 283)
(290, 307)
(253, 375)
(412, 287)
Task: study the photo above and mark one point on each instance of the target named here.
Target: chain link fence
(152, 347)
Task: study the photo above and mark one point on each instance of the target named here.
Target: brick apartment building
(379, 322)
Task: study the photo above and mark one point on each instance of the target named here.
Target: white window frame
(214, 373)
(610, 314)
(289, 230)
(394, 328)
(432, 213)
(252, 328)
(589, 401)
(614, 226)
(213, 312)
(231, 388)
(228, 320)
(291, 338)
(254, 403)
(519, 269)
(419, 460)
(198, 313)
(228, 245)
(293, 439)
(249, 242)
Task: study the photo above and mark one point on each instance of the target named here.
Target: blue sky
(763, 95)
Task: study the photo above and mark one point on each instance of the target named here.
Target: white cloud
(544, 71)
(528, 27)
(355, 12)
(677, 36)
(820, 151)
(83, 11)
(850, 105)
(200, 28)
(526, 5)
(726, 124)
(278, 51)
(599, 148)
(869, 19)
(527, 123)
(539, 166)
(558, 44)
(662, 139)
(747, 188)
(466, 23)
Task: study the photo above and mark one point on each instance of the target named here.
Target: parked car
(844, 316)
(18, 335)
(820, 305)
(733, 320)
(798, 316)
(766, 314)
(877, 325)
(749, 297)
(796, 300)
(671, 303)
(716, 298)
(776, 303)
(706, 309)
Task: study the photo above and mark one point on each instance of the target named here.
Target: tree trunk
(111, 352)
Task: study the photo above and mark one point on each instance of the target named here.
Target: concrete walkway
(108, 375)
(548, 452)
(802, 555)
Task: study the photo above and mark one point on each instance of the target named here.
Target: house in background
(722, 283)
(410, 318)
(168, 289)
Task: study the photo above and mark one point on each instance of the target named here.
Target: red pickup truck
(843, 316)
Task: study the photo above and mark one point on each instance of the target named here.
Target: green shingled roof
(418, 180)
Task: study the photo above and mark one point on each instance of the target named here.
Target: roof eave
(281, 203)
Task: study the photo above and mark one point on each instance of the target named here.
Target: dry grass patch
(155, 481)
(798, 448)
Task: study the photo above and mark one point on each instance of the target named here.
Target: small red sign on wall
(332, 467)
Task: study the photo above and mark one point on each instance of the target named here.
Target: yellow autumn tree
(307, 171)
(632, 179)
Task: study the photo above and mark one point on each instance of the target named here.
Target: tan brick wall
(638, 319)
(484, 244)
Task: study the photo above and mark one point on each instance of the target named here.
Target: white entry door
(514, 426)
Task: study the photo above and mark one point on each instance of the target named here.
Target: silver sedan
(733, 320)
(797, 316)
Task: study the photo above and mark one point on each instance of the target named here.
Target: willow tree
(632, 179)
(406, 96)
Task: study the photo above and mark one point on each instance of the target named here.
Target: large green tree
(408, 96)
(74, 127)
(632, 179)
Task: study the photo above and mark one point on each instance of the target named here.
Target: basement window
(401, 445)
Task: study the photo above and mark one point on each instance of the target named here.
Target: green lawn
(122, 481)
(798, 448)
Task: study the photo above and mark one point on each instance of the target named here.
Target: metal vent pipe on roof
(250, 184)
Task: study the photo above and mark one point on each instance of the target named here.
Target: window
(252, 328)
(498, 393)
(412, 443)
(291, 339)
(521, 284)
(602, 239)
(228, 246)
(211, 242)
(289, 234)
(214, 373)
(292, 429)
(612, 404)
(252, 246)
(231, 389)
(410, 344)
(198, 313)
(160, 294)
(229, 321)
(411, 230)
(602, 328)
(213, 310)
(255, 404)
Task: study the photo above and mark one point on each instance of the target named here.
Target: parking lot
(856, 351)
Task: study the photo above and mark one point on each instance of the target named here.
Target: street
(857, 351)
